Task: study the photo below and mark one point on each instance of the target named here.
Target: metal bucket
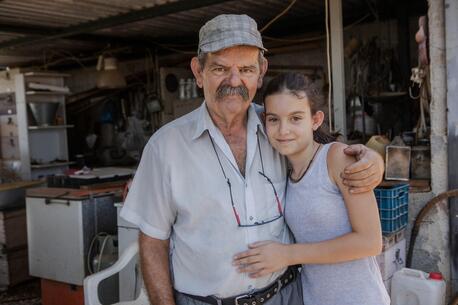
(44, 113)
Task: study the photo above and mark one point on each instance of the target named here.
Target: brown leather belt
(258, 297)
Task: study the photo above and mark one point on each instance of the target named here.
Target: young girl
(337, 233)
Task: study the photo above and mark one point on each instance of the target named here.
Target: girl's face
(289, 123)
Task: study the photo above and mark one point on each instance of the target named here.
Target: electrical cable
(309, 39)
(316, 38)
(372, 9)
(278, 16)
(61, 55)
(88, 256)
(67, 55)
(173, 49)
(102, 248)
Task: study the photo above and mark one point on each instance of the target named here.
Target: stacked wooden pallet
(13, 247)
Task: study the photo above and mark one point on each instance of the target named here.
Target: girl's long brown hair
(298, 84)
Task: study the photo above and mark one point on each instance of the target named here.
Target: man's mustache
(227, 90)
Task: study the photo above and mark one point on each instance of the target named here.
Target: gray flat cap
(225, 31)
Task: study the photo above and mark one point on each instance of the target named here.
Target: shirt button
(250, 287)
(251, 217)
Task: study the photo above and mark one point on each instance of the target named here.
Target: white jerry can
(415, 287)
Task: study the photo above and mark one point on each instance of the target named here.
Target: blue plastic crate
(395, 224)
(393, 204)
(394, 213)
(390, 213)
(404, 220)
(393, 197)
(404, 209)
(389, 225)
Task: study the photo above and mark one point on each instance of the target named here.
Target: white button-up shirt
(179, 192)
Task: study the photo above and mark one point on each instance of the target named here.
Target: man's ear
(263, 70)
(197, 71)
(317, 119)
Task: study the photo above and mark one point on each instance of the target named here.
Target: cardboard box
(13, 228)
(392, 259)
(389, 240)
(14, 267)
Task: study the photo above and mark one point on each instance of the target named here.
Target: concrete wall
(432, 250)
(451, 43)
(439, 167)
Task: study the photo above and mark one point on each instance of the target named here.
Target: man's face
(230, 78)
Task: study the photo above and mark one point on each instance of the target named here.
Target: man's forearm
(154, 260)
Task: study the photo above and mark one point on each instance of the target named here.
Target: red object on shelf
(57, 293)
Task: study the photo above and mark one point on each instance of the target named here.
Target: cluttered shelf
(387, 94)
(46, 74)
(50, 127)
(19, 184)
(52, 164)
(415, 185)
(407, 160)
(34, 92)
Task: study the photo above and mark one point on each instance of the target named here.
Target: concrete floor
(22, 294)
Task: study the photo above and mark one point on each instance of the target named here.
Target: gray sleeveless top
(315, 211)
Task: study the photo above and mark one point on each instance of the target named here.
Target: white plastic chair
(92, 282)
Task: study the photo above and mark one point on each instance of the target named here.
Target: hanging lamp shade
(108, 75)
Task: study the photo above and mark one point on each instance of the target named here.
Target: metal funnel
(44, 113)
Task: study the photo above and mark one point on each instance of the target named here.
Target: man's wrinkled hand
(366, 173)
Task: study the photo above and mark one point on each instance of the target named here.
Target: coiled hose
(418, 220)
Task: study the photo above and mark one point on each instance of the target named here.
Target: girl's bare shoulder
(337, 159)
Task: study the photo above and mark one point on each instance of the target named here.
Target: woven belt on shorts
(258, 297)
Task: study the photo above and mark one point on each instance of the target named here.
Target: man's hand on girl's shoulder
(366, 173)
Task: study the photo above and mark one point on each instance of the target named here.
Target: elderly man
(209, 183)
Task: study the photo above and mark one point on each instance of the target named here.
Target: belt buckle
(236, 301)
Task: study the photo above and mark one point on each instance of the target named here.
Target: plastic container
(394, 225)
(393, 197)
(393, 207)
(415, 287)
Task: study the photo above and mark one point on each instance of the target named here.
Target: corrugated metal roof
(36, 18)
(67, 12)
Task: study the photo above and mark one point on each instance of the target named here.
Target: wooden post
(337, 66)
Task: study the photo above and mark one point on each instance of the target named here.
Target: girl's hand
(263, 258)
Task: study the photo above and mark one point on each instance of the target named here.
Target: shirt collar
(204, 121)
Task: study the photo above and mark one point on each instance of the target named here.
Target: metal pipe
(420, 217)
